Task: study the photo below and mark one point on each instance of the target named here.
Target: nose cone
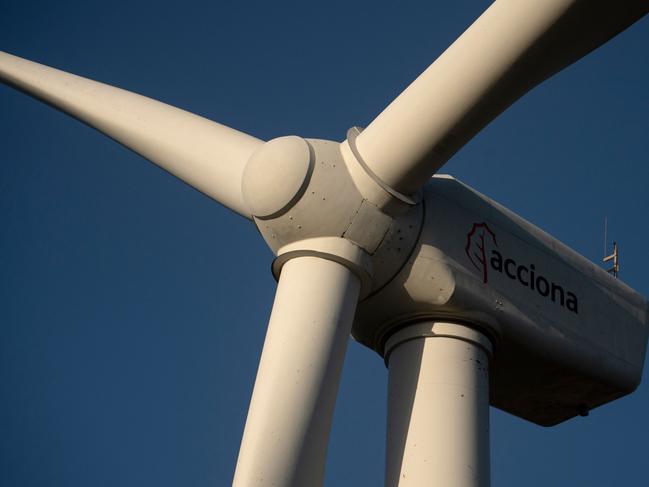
(276, 176)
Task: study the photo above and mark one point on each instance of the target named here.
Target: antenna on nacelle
(615, 256)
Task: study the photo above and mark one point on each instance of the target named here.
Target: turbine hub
(307, 197)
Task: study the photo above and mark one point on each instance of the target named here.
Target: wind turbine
(298, 172)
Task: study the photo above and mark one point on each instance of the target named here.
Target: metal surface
(287, 430)
(438, 407)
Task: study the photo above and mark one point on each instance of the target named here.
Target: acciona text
(528, 277)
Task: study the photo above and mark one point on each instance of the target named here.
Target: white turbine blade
(511, 48)
(287, 430)
(205, 154)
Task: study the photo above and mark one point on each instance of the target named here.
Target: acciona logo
(482, 251)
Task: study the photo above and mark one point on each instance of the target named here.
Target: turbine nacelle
(567, 335)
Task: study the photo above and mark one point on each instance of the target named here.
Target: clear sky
(133, 308)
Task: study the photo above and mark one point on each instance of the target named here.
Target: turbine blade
(286, 434)
(208, 156)
(512, 47)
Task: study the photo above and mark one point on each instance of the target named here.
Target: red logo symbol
(475, 246)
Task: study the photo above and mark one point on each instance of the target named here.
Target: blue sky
(133, 308)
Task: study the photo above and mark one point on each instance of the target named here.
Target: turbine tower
(468, 304)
